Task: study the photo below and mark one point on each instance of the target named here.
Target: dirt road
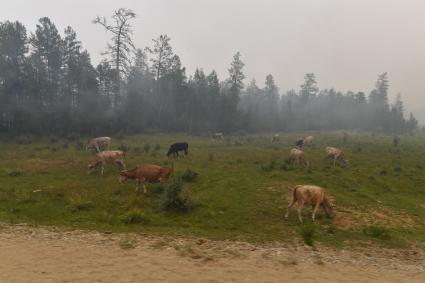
(51, 255)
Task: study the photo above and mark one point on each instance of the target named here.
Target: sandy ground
(29, 254)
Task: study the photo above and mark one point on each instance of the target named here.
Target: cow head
(92, 165)
(329, 205)
(123, 176)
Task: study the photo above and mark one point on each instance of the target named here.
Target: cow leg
(316, 207)
(144, 188)
(137, 185)
(97, 149)
(289, 207)
(334, 161)
(299, 210)
(102, 169)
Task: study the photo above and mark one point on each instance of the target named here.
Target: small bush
(78, 203)
(126, 244)
(79, 146)
(157, 147)
(189, 175)
(134, 216)
(65, 145)
(124, 148)
(146, 148)
(174, 199)
(269, 167)
(307, 233)
(378, 232)
(137, 149)
(14, 172)
(237, 143)
(23, 140)
(53, 140)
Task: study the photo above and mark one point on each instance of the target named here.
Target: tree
(309, 88)
(121, 46)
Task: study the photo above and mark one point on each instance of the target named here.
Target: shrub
(174, 199)
(157, 147)
(134, 216)
(124, 148)
(23, 140)
(65, 145)
(189, 175)
(137, 149)
(146, 148)
(378, 232)
(53, 140)
(269, 167)
(14, 172)
(307, 233)
(79, 145)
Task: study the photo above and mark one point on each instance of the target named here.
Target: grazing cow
(146, 173)
(218, 136)
(308, 140)
(337, 155)
(176, 147)
(104, 157)
(310, 195)
(297, 155)
(275, 138)
(98, 143)
(299, 143)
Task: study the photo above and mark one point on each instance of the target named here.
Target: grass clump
(134, 216)
(307, 233)
(127, 244)
(174, 199)
(378, 232)
(189, 175)
(14, 172)
(146, 148)
(124, 148)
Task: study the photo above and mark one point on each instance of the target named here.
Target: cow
(104, 157)
(218, 136)
(146, 173)
(308, 140)
(337, 155)
(299, 143)
(275, 138)
(99, 143)
(297, 155)
(176, 147)
(310, 195)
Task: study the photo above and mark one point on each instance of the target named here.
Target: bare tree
(121, 47)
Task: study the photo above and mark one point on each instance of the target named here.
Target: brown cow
(104, 157)
(310, 195)
(297, 155)
(337, 155)
(98, 143)
(146, 173)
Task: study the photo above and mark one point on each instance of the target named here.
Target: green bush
(79, 146)
(124, 148)
(134, 216)
(174, 199)
(378, 232)
(189, 175)
(307, 233)
(146, 148)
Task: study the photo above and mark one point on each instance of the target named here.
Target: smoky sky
(346, 43)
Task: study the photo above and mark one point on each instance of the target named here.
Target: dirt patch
(55, 255)
(353, 219)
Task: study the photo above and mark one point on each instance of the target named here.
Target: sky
(346, 43)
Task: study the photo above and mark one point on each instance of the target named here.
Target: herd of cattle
(313, 196)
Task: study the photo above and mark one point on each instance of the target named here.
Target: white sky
(347, 43)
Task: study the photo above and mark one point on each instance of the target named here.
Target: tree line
(48, 85)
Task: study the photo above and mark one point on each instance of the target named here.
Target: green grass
(238, 192)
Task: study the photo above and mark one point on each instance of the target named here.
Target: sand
(29, 254)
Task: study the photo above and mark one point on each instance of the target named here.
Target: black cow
(299, 143)
(176, 147)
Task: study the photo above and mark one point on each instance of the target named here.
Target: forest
(49, 86)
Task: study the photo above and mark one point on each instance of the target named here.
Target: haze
(345, 43)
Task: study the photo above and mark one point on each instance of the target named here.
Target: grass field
(240, 194)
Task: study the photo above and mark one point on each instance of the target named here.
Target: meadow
(241, 191)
